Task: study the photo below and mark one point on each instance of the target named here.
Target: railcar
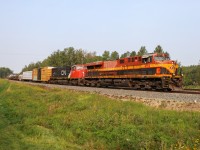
(13, 77)
(36, 74)
(42, 74)
(60, 75)
(26, 76)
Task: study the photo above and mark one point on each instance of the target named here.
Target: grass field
(192, 87)
(38, 118)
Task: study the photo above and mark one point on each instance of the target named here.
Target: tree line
(191, 75)
(4, 72)
(71, 56)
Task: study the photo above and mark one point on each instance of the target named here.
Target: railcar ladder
(165, 82)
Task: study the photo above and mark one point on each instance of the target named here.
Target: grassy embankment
(33, 117)
(192, 87)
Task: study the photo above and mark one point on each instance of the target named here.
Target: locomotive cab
(77, 72)
(147, 58)
(167, 66)
(161, 57)
(168, 70)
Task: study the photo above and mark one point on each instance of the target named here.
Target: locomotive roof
(94, 63)
(147, 55)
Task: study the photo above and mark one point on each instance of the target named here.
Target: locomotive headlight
(172, 67)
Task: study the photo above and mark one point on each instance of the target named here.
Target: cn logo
(63, 72)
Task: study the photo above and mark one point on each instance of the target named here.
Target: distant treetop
(71, 56)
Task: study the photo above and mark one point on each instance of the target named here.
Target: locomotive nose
(173, 62)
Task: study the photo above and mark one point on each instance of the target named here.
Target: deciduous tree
(126, 54)
(106, 55)
(114, 55)
(133, 53)
(4, 72)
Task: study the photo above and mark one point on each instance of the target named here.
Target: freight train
(152, 71)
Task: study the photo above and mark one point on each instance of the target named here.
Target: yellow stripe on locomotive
(148, 67)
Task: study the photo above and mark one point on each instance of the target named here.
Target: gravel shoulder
(164, 100)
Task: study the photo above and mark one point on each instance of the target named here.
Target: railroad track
(184, 91)
(187, 92)
(192, 90)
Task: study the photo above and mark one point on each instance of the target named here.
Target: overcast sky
(30, 30)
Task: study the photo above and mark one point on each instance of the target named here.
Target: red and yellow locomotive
(151, 71)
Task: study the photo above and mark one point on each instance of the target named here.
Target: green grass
(192, 87)
(37, 118)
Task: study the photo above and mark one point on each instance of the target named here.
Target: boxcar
(27, 76)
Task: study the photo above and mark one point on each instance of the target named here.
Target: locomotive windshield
(77, 67)
(161, 58)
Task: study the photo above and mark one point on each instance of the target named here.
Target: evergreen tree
(142, 51)
(158, 50)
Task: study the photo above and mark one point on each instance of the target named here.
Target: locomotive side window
(90, 67)
(73, 67)
(149, 59)
(144, 60)
(161, 58)
(133, 59)
(144, 72)
(121, 61)
(79, 67)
